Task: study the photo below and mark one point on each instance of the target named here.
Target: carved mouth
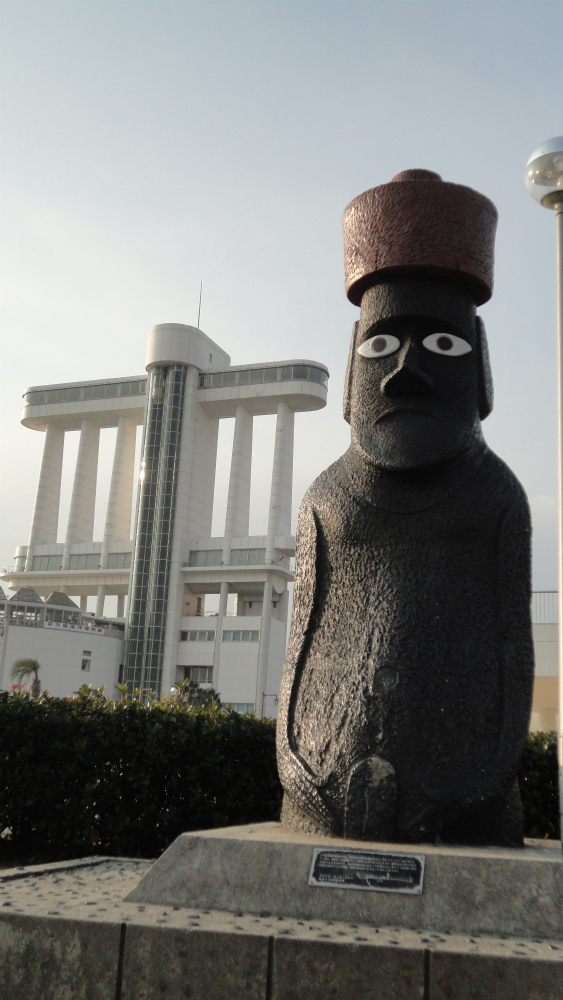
(405, 408)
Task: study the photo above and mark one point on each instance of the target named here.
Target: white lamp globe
(544, 173)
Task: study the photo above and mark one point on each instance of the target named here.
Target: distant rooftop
(60, 600)
(26, 595)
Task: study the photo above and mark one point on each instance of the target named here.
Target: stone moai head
(418, 260)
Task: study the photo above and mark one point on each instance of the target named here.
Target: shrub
(91, 776)
(537, 777)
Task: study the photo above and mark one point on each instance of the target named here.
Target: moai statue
(407, 687)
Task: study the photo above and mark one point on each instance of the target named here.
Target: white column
(118, 517)
(238, 502)
(279, 523)
(83, 502)
(100, 600)
(223, 597)
(263, 650)
(46, 511)
(279, 520)
(84, 603)
(120, 605)
(284, 606)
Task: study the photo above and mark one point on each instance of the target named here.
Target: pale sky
(149, 145)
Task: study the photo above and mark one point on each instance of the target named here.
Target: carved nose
(407, 381)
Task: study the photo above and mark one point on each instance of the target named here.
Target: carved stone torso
(415, 610)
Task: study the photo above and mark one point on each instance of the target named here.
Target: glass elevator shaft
(150, 575)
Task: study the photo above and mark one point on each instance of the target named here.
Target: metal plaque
(350, 868)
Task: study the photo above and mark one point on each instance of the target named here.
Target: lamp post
(544, 180)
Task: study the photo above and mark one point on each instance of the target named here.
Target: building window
(199, 636)
(73, 394)
(201, 675)
(257, 376)
(238, 635)
(239, 557)
(54, 615)
(90, 560)
(211, 557)
(47, 562)
(72, 617)
(119, 560)
(243, 708)
(86, 660)
(60, 616)
(248, 557)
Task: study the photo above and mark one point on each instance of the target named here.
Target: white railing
(110, 630)
(68, 627)
(544, 607)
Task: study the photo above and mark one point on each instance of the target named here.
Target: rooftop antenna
(199, 310)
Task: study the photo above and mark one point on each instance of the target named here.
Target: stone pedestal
(230, 915)
(264, 869)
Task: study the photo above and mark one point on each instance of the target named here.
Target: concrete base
(264, 869)
(72, 931)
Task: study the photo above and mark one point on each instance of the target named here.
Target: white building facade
(166, 563)
(71, 646)
(545, 708)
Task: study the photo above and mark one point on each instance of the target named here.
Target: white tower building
(169, 562)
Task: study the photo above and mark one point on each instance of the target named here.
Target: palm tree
(27, 668)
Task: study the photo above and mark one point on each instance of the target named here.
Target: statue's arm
(303, 600)
(516, 671)
(514, 597)
(295, 776)
(304, 590)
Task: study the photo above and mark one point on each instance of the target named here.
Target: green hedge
(84, 777)
(98, 777)
(537, 777)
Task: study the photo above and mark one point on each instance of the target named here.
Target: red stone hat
(419, 223)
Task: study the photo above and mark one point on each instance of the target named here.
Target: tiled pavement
(66, 933)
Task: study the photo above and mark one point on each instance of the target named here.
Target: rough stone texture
(513, 973)
(407, 687)
(264, 869)
(419, 223)
(81, 901)
(323, 970)
(61, 959)
(165, 962)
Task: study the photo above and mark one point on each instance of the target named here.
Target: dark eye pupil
(445, 343)
(379, 344)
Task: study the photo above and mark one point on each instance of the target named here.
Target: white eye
(379, 346)
(446, 343)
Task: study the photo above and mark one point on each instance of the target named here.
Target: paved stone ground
(35, 901)
(94, 889)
